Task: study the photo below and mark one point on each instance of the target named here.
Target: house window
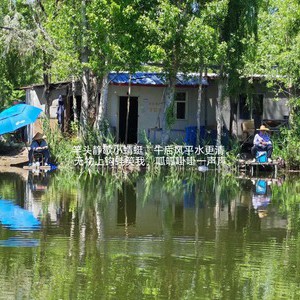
(180, 106)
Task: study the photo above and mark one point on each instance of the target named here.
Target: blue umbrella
(15, 217)
(18, 116)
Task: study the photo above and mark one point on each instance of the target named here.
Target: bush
(61, 148)
(287, 143)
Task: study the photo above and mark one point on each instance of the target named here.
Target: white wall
(149, 105)
(275, 108)
(150, 109)
(35, 96)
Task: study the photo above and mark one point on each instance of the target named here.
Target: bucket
(261, 187)
(191, 135)
(261, 156)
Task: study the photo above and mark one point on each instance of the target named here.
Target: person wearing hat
(39, 145)
(262, 142)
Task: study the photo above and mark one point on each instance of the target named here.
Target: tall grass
(61, 147)
(287, 143)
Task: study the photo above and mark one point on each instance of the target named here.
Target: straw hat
(263, 128)
(262, 213)
(39, 136)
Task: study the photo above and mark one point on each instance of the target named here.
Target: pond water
(148, 236)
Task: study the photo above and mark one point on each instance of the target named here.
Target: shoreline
(15, 159)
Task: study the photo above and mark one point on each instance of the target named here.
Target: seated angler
(39, 145)
(262, 142)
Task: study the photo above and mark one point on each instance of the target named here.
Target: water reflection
(38, 181)
(16, 218)
(255, 205)
(261, 197)
(19, 242)
(172, 236)
(126, 214)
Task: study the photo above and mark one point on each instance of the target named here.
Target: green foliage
(18, 66)
(287, 197)
(277, 52)
(229, 185)
(92, 137)
(287, 147)
(149, 153)
(233, 153)
(61, 148)
(287, 142)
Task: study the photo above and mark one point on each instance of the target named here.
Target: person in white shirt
(262, 142)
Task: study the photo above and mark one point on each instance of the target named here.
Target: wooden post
(275, 170)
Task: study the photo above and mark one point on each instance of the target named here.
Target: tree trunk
(233, 117)
(47, 94)
(85, 74)
(205, 101)
(84, 102)
(46, 67)
(74, 100)
(219, 110)
(199, 106)
(93, 100)
(102, 107)
(168, 101)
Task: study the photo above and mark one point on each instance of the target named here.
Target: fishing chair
(248, 130)
(38, 157)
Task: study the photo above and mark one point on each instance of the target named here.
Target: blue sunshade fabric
(18, 116)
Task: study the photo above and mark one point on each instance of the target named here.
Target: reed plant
(61, 147)
(286, 144)
(67, 149)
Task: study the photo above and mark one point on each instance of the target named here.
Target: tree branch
(7, 28)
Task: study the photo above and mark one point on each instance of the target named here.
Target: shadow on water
(160, 235)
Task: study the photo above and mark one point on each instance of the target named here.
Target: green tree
(201, 44)
(238, 32)
(277, 57)
(125, 44)
(18, 66)
(167, 24)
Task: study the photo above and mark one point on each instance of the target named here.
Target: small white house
(146, 105)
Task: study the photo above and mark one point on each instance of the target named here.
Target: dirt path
(14, 159)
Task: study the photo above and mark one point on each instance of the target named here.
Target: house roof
(56, 85)
(153, 79)
(141, 78)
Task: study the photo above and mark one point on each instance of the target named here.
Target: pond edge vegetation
(286, 146)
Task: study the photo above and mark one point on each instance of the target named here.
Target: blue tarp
(15, 217)
(142, 78)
